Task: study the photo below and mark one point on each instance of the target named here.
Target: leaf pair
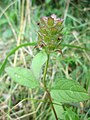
(62, 90)
(25, 77)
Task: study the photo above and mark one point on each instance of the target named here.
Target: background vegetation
(18, 24)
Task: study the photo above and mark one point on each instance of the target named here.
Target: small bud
(50, 21)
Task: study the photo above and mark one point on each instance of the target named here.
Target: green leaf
(22, 76)
(68, 91)
(78, 47)
(37, 63)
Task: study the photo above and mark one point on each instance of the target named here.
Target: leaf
(37, 63)
(68, 91)
(22, 76)
(2, 67)
(78, 47)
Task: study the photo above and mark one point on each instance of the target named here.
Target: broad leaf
(68, 91)
(37, 63)
(22, 76)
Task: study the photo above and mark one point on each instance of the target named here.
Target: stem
(45, 72)
(55, 114)
(44, 82)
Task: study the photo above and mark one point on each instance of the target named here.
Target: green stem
(44, 82)
(45, 72)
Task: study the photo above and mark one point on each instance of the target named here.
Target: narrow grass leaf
(12, 52)
(73, 46)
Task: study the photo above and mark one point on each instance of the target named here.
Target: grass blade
(12, 52)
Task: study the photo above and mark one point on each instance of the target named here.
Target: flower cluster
(50, 33)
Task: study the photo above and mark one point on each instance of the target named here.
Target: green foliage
(12, 52)
(37, 63)
(74, 63)
(22, 76)
(69, 114)
(59, 110)
(27, 77)
(68, 91)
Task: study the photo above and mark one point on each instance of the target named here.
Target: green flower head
(50, 33)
